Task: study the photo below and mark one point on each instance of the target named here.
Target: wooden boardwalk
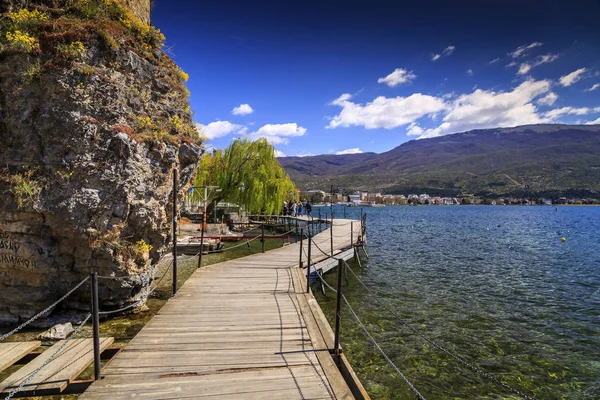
(242, 329)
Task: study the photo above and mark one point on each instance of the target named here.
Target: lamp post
(205, 201)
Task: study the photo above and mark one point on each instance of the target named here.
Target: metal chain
(364, 328)
(440, 347)
(34, 373)
(140, 301)
(373, 340)
(44, 311)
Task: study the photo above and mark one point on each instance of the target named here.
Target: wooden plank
(62, 369)
(10, 353)
(241, 329)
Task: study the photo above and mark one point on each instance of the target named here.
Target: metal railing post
(308, 262)
(331, 236)
(201, 247)
(262, 239)
(352, 239)
(301, 243)
(338, 306)
(174, 289)
(96, 326)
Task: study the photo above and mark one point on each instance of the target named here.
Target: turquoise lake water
(492, 284)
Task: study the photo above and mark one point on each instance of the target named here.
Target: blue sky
(335, 76)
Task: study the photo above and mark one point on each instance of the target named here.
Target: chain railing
(434, 343)
(44, 311)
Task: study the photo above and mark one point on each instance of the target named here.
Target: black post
(352, 238)
(262, 239)
(338, 306)
(96, 326)
(331, 201)
(301, 243)
(174, 290)
(308, 261)
(331, 236)
(201, 247)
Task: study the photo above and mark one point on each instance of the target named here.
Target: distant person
(299, 210)
(308, 208)
(293, 209)
(285, 208)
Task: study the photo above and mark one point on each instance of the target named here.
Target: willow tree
(248, 174)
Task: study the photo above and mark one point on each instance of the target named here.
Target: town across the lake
(369, 199)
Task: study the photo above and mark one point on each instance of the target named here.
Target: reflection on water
(494, 285)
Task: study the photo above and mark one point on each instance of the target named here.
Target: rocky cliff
(94, 118)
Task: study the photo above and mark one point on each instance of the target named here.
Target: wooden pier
(242, 329)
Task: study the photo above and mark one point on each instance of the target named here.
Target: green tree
(248, 174)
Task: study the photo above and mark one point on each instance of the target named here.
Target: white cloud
(242, 109)
(414, 130)
(470, 72)
(569, 79)
(355, 150)
(594, 87)
(511, 64)
(488, 109)
(595, 122)
(278, 133)
(384, 112)
(445, 53)
(279, 153)
(494, 61)
(558, 112)
(527, 66)
(522, 50)
(397, 77)
(219, 129)
(548, 99)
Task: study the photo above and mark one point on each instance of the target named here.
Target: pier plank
(241, 329)
(10, 353)
(60, 371)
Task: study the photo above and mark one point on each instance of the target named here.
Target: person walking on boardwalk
(293, 209)
(308, 208)
(299, 209)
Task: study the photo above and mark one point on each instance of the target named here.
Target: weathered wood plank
(241, 329)
(61, 370)
(10, 353)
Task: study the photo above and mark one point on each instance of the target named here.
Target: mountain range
(530, 160)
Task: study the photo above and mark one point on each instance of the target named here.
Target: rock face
(92, 124)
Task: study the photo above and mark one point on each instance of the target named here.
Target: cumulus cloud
(558, 112)
(397, 77)
(355, 150)
(594, 87)
(384, 112)
(279, 153)
(278, 133)
(470, 72)
(488, 109)
(445, 53)
(522, 50)
(595, 122)
(219, 129)
(548, 99)
(242, 109)
(569, 79)
(528, 66)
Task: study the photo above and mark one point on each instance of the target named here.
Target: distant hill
(531, 160)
